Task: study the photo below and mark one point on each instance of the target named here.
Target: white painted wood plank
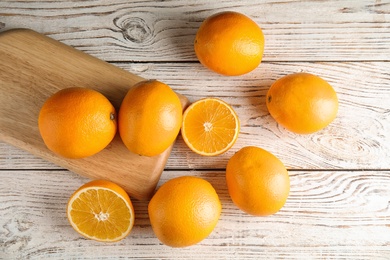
(328, 215)
(357, 139)
(164, 30)
(332, 212)
(15, 158)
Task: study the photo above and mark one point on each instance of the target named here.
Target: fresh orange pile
(79, 122)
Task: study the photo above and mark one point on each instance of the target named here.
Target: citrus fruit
(257, 181)
(210, 126)
(77, 122)
(303, 103)
(229, 43)
(184, 211)
(101, 210)
(149, 118)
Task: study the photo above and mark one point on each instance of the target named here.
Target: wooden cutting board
(32, 68)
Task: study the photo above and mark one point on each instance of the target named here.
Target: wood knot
(134, 29)
(346, 10)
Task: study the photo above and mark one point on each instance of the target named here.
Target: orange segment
(102, 211)
(210, 126)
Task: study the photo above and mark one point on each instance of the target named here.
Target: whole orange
(257, 181)
(149, 118)
(229, 43)
(184, 211)
(77, 122)
(303, 103)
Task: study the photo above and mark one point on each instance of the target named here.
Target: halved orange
(210, 126)
(101, 210)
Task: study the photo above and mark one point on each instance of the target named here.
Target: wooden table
(339, 205)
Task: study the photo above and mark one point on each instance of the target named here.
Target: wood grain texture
(342, 214)
(165, 30)
(357, 139)
(338, 207)
(32, 68)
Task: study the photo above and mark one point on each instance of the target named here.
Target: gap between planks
(210, 170)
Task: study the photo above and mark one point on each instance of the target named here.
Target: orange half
(210, 126)
(102, 211)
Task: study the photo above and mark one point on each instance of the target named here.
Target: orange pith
(102, 211)
(210, 126)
